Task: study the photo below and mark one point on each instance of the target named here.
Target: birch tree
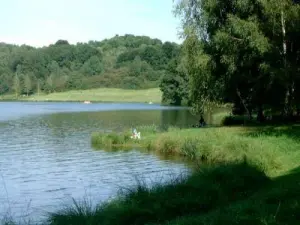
(244, 51)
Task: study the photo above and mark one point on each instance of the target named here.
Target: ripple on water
(44, 162)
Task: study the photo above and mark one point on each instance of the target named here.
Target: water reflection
(46, 159)
(91, 121)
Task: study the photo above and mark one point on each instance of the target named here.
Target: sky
(43, 22)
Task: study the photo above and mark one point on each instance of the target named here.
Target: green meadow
(95, 95)
(242, 175)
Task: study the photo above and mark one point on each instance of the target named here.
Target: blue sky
(42, 22)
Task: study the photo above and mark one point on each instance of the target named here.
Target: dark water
(46, 158)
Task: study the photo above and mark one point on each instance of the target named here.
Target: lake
(46, 158)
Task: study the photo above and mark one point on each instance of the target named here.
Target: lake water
(46, 158)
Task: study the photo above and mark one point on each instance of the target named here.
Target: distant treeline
(131, 62)
(243, 52)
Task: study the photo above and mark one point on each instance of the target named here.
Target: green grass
(199, 193)
(276, 204)
(225, 194)
(273, 149)
(121, 140)
(96, 95)
(245, 176)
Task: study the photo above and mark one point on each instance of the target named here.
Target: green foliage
(110, 139)
(131, 62)
(122, 139)
(16, 85)
(276, 204)
(262, 146)
(235, 193)
(243, 52)
(27, 84)
(233, 120)
(236, 190)
(174, 84)
(92, 66)
(197, 194)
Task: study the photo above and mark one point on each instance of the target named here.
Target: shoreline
(246, 176)
(78, 101)
(109, 95)
(212, 145)
(238, 172)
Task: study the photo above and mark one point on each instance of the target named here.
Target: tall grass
(274, 152)
(10, 220)
(114, 140)
(245, 176)
(110, 140)
(232, 193)
(203, 191)
(80, 212)
(278, 203)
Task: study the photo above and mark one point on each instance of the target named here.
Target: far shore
(150, 96)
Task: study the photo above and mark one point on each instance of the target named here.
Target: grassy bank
(251, 176)
(226, 194)
(273, 149)
(246, 176)
(95, 95)
(197, 194)
(275, 203)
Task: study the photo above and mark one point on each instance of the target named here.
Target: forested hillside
(131, 62)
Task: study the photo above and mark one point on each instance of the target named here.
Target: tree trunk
(286, 109)
(283, 36)
(287, 102)
(250, 114)
(291, 99)
(260, 114)
(243, 102)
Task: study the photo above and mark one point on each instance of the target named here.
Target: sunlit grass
(252, 177)
(123, 140)
(200, 193)
(231, 193)
(275, 151)
(245, 175)
(96, 95)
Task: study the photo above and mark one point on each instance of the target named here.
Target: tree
(38, 86)
(54, 68)
(174, 84)
(27, 84)
(135, 68)
(170, 50)
(92, 67)
(5, 83)
(16, 85)
(50, 83)
(244, 51)
(62, 42)
(122, 61)
(17, 81)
